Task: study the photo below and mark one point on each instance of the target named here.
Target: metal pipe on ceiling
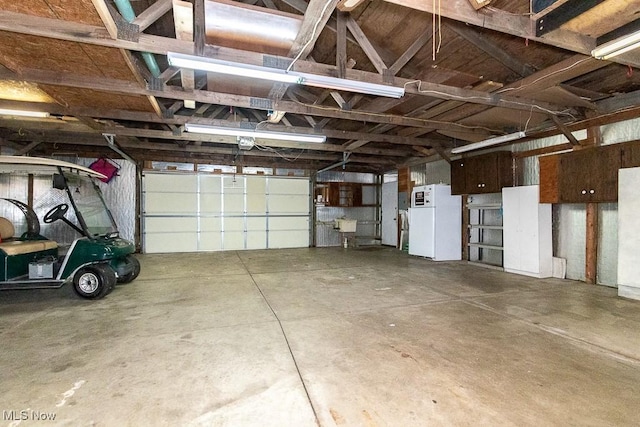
(125, 9)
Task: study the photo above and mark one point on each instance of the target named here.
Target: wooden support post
(199, 36)
(591, 246)
(591, 259)
(404, 186)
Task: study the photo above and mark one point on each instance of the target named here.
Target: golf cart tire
(130, 277)
(94, 281)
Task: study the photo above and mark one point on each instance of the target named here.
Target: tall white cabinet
(527, 240)
(628, 237)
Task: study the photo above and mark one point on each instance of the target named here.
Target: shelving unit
(484, 235)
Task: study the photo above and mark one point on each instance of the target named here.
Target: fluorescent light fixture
(229, 131)
(617, 47)
(488, 142)
(335, 83)
(232, 68)
(23, 113)
(283, 76)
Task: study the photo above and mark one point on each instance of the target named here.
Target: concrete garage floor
(372, 337)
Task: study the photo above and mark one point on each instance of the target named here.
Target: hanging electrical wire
(312, 37)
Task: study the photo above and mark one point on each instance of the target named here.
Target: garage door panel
(233, 224)
(233, 240)
(288, 239)
(170, 203)
(257, 240)
(233, 184)
(281, 204)
(169, 182)
(256, 185)
(204, 212)
(210, 184)
(257, 223)
(257, 204)
(170, 224)
(210, 241)
(289, 223)
(210, 224)
(210, 203)
(234, 203)
(288, 186)
(170, 242)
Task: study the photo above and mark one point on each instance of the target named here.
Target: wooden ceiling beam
(492, 49)
(76, 127)
(129, 88)
(341, 45)
(504, 22)
(315, 18)
(150, 146)
(98, 141)
(366, 45)
(301, 6)
(183, 21)
(149, 133)
(154, 12)
(137, 116)
(554, 75)
(411, 51)
(104, 11)
(563, 129)
(27, 148)
(45, 27)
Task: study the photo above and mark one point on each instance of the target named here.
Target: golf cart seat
(11, 246)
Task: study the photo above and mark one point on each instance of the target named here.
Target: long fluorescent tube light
(232, 68)
(335, 83)
(488, 142)
(23, 113)
(228, 131)
(275, 74)
(617, 47)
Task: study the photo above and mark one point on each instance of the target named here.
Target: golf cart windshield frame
(107, 226)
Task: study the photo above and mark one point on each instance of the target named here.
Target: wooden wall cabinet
(487, 173)
(343, 194)
(585, 176)
(630, 154)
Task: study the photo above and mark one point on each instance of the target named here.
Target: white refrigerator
(435, 223)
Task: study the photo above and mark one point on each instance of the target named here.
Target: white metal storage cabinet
(628, 236)
(527, 239)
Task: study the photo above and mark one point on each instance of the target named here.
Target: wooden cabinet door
(334, 194)
(458, 176)
(482, 174)
(630, 152)
(549, 178)
(505, 170)
(576, 169)
(604, 179)
(590, 175)
(487, 173)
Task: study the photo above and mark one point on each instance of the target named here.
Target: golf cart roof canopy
(43, 166)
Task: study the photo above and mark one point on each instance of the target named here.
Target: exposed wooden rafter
(504, 22)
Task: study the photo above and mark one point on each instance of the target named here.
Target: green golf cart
(94, 262)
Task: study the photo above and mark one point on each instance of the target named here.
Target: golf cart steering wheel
(56, 213)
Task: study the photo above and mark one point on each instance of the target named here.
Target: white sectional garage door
(201, 212)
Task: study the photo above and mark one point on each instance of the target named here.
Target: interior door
(390, 213)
